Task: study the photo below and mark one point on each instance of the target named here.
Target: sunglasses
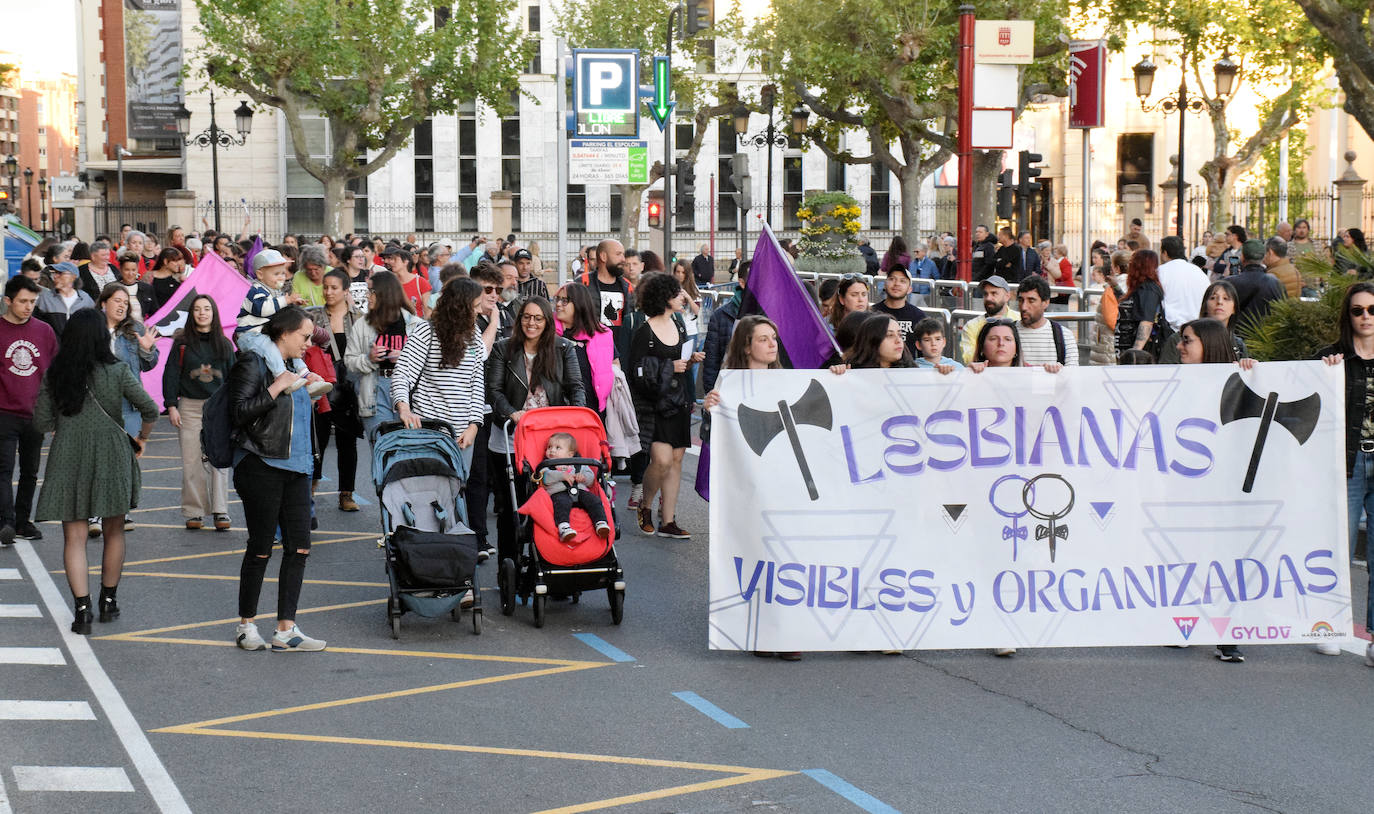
(852, 276)
(491, 289)
(1000, 323)
(1360, 310)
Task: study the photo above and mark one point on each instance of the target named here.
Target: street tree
(643, 26)
(888, 69)
(1278, 55)
(373, 70)
(1344, 26)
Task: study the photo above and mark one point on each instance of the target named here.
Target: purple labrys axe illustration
(760, 427)
(1299, 417)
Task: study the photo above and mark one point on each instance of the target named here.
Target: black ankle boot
(81, 624)
(109, 609)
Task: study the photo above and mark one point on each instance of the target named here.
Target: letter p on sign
(606, 81)
(606, 76)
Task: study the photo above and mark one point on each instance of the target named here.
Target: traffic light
(686, 183)
(698, 17)
(1026, 172)
(1005, 187)
(741, 181)
(655, 214)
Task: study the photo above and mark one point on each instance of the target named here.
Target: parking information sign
(606, 93)
(613, 161)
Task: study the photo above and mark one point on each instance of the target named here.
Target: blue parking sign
(606, 93)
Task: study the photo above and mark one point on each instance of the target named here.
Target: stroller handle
(427, 424)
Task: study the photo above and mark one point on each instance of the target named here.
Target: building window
(577, 206)
(834, 175)
(424, 176)
(358, 186)
(792, 191)
(1135, 154)
(727, 208)
(617, 210)
(880, 198)
(304, 194)
(467, 167)
(510, 166)
(533, 19)
(536, 63)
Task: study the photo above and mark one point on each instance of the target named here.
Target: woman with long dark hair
(1218, 303)
(999, 345)
(337, 316)
(1139, 321)
(851, 295)
(131, 343)
(440, 373)
(198, 364)
(879, 344)
(1354, 350)
(166, 276)
(92, 468)
(534, 368)
(272, 469)
(576, 309)
(375, 343)
(896, 256)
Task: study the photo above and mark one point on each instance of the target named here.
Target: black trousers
(563, 503)
(476, 490)
(273, 498)
(17, 435)
(347, 445)
(507, 531)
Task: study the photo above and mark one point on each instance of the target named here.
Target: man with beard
(996, 295)
(984, 250)
(1302, 240)
(894, 304)
(1042, 342)
(529, 284)
(608, 280)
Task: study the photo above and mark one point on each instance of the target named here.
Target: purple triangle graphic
(1102, 507)
(1220, 623)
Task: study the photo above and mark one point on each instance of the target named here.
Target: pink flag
(213, 277)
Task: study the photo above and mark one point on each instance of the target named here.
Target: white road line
(160, 785)
(48, 656)
(20, 612)
(46, 711)
(9, 573)
(71, 778)
(4, 798)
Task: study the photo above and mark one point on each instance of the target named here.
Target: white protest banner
(1134, 505)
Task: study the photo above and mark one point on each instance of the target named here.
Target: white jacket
(622, 427)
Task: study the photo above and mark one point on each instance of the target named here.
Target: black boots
(81, 624)
(109, 609)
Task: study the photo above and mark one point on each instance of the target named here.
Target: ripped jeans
(273, 498)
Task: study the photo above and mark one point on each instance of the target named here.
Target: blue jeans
(385, 407)
(1359, 495)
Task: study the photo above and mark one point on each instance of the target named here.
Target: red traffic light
(655, 215)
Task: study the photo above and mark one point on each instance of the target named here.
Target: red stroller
(548, 565)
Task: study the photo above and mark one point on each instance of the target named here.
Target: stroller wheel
(617, 599)
(576, 597)
(539, 601)
(506, 581)
(396, 627)
(477, 621)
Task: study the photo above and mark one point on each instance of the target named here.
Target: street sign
(1005, 41)
(609, 161)
(606, 93)
(661, 106)
(1087, 75)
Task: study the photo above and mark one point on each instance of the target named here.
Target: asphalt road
(639, 717)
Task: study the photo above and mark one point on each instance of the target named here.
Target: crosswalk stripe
(20, 612)
(9, 573)
(46, 711)
(4, 799)
(71, 778)
(48, 656)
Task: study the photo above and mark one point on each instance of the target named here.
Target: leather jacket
(507, 387)
(262, 424)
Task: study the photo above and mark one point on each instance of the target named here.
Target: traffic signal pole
(668, 154)
(964, 229)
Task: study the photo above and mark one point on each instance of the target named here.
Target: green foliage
(1295, 329)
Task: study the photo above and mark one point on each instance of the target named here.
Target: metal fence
(149, 218)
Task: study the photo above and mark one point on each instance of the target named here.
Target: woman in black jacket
(272, 467)
(1355, 350)
(534, 368)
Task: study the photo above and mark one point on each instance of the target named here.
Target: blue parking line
(850, 792)
(360, 500)
(603, 647)
(710, 710)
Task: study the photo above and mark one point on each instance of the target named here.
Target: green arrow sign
(661, 109)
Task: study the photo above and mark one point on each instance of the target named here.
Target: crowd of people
(336, 337)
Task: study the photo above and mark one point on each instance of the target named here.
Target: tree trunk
(1219, 199)
(986, 166)
(909, 181)
(333, 203)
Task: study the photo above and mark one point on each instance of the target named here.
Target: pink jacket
(601, 356)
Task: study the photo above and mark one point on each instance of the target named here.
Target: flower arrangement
(830, 221)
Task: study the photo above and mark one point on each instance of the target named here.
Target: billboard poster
(152, 67)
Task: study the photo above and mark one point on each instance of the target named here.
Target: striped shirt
(452, 394)
(1037, 345)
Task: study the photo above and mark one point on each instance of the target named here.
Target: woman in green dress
(92, 467)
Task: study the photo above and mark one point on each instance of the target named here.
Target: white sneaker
(636, 496)
(1004, 652)
(565, 532)
(1328, 648)
(1369, 655)
(285, 641)
(249, 638)
(317, 389)
(467, 601)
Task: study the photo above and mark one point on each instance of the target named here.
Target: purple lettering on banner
(747, 593)
(1320, 571)
(1038, 593)
(1087, 421)
(1149, 422)
(1019, 422)
(1105, 576)
(811, 586)
(849, 457)
(1195, 447)
(904, 447)
(854, 592)
(1056, 423)
(890, 591)
(825, 584)
(927, 592)
(967, 611)
(997, 592)
(785, 582)
(1214, 570)
(1286, 566)
(1082, 592)
(946, 440)
(1242, 582)
(977, 435)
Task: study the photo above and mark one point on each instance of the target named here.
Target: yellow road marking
(348, 537)
(170, 508)
(235, 577)
(235, 619)
(673, 791)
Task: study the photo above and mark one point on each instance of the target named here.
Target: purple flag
(703, 479)
(775, 291)
(248, 258)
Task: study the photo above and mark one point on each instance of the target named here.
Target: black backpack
(217, 437)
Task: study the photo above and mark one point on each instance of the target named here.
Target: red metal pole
(964, 229)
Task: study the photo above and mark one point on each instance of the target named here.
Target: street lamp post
(215, 138)
(1225, 73)
(769, 138)
(43, 202)
(12, 170)
(28, 197)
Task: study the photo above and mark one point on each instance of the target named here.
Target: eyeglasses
(491, 289)
(853, 275)
(561, 301)
(1361, 310)
(533, 319)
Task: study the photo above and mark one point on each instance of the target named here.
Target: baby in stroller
(562, 482)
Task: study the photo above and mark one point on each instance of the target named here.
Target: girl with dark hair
(1350, 252)
(850, 295)
(896, 256)
(845, 334)
(534, 368)
(874, 345)
(92, 468)
(651, 261)
(166, 276)
(575, 306)
(375, 343)
(131, 343)
(337, 316)
(440, 373)
(198, 364)
(1139, 321)
(663, 393)
(1218, 303)
(272, 469)
(999, 345)
(1354, 350)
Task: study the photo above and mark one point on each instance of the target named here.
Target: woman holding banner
(1355, 350)
(198, 364)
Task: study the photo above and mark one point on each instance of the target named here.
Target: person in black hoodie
(983, 256)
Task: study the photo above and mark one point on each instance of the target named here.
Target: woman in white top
(55, 305)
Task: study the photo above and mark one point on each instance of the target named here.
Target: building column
(83, 202)
(1349, 196)
(1133, 198)
(501, 205)
(1169, 192)
(181, 209)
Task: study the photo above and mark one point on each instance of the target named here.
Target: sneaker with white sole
(1328, 648)
(1004, 652)
(293, 640)
(468, 600)
(565, 532)
(1230, 653)
(249, 638)
(636, 496)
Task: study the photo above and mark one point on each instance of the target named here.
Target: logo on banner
(1014, 532)
(1052, 531)
(760, 427)
(1299, 417)
(1185, 625)
(1322, 630)
(955, 514)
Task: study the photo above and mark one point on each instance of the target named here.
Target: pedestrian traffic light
(741, 181)
(686, 183)
(655, 214)
(1026, 173)
(698, 17)
(1005, 187)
